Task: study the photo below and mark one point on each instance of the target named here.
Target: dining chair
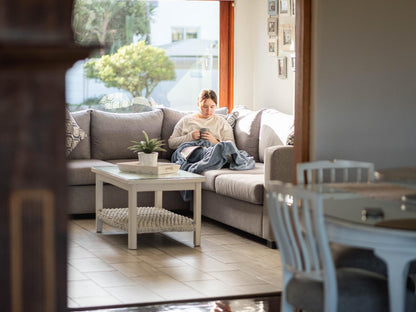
(310, 279)
(335, 171)
(343, 171)
(346, 171)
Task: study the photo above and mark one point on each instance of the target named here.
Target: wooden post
(36, 49)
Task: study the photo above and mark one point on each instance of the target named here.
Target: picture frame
(293, 8)
(282, 67)
(272, 6)
(284, 7)
(287, 37)
(293, 62)
(272, 26)
(273, 46)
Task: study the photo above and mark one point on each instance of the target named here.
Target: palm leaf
(148, 145)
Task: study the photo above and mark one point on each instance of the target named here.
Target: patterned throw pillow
(74, 134)
(232, 118)
(291, 137)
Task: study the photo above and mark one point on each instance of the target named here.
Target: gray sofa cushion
(275, 128)
(222, 111)
(211, 175)
(246, 131)
(246, 187)
(79, 171)
(170, 119)
(83, 149)
(112, 133)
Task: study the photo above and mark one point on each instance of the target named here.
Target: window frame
(175, 31)
(226, 54)
(225, 51)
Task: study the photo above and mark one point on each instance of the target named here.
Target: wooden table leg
(197, 214)
(159, 199)
(132, 219)
(98, 203)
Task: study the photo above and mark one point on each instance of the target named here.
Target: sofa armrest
(278, 163)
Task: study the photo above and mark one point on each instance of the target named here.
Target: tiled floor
(103, 271)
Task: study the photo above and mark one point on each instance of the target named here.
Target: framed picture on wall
(272, 26)
(273, 47)
(282, 67)
(293, 7)
(287, 37)
(272, 7)
(284, 6)
(293, 61)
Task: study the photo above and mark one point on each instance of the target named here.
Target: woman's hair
(207, 94)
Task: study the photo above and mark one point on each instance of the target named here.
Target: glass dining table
(377, 216)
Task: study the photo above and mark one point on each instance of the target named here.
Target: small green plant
(148, 145)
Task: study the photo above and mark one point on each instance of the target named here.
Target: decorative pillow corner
(291, 137)
(232, 118)
(74, 134)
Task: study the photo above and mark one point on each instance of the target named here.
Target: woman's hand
(196, 135)
(209, 137)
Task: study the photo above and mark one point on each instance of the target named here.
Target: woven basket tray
(149, 220)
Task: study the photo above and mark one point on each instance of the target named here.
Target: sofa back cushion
(112, 133)
(246, 131)
(275, 128)
(170, 119)
(83, 148)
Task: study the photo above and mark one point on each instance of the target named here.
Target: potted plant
(147, 150)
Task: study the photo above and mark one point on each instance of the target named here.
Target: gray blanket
(222, 154)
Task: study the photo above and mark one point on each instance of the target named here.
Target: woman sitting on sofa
(199, 149)
(215, 128)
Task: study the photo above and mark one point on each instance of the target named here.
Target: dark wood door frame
(302, 81)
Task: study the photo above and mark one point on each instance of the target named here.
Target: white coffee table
(135, 219)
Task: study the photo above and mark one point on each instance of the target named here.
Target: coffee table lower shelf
(149, 220)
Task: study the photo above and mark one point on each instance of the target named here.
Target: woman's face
(207, 108)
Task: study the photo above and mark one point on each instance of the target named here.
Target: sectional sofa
(235, 198)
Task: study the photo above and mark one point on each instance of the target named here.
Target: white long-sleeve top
(217, 125)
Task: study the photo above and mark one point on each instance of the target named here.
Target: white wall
(256, 82)
(364, 81)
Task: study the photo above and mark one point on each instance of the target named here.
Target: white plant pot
(148, 159)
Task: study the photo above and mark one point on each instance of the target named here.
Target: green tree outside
(112, 23)
(134, 68)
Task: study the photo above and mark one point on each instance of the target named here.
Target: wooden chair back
(336, 171)
(297, 220)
